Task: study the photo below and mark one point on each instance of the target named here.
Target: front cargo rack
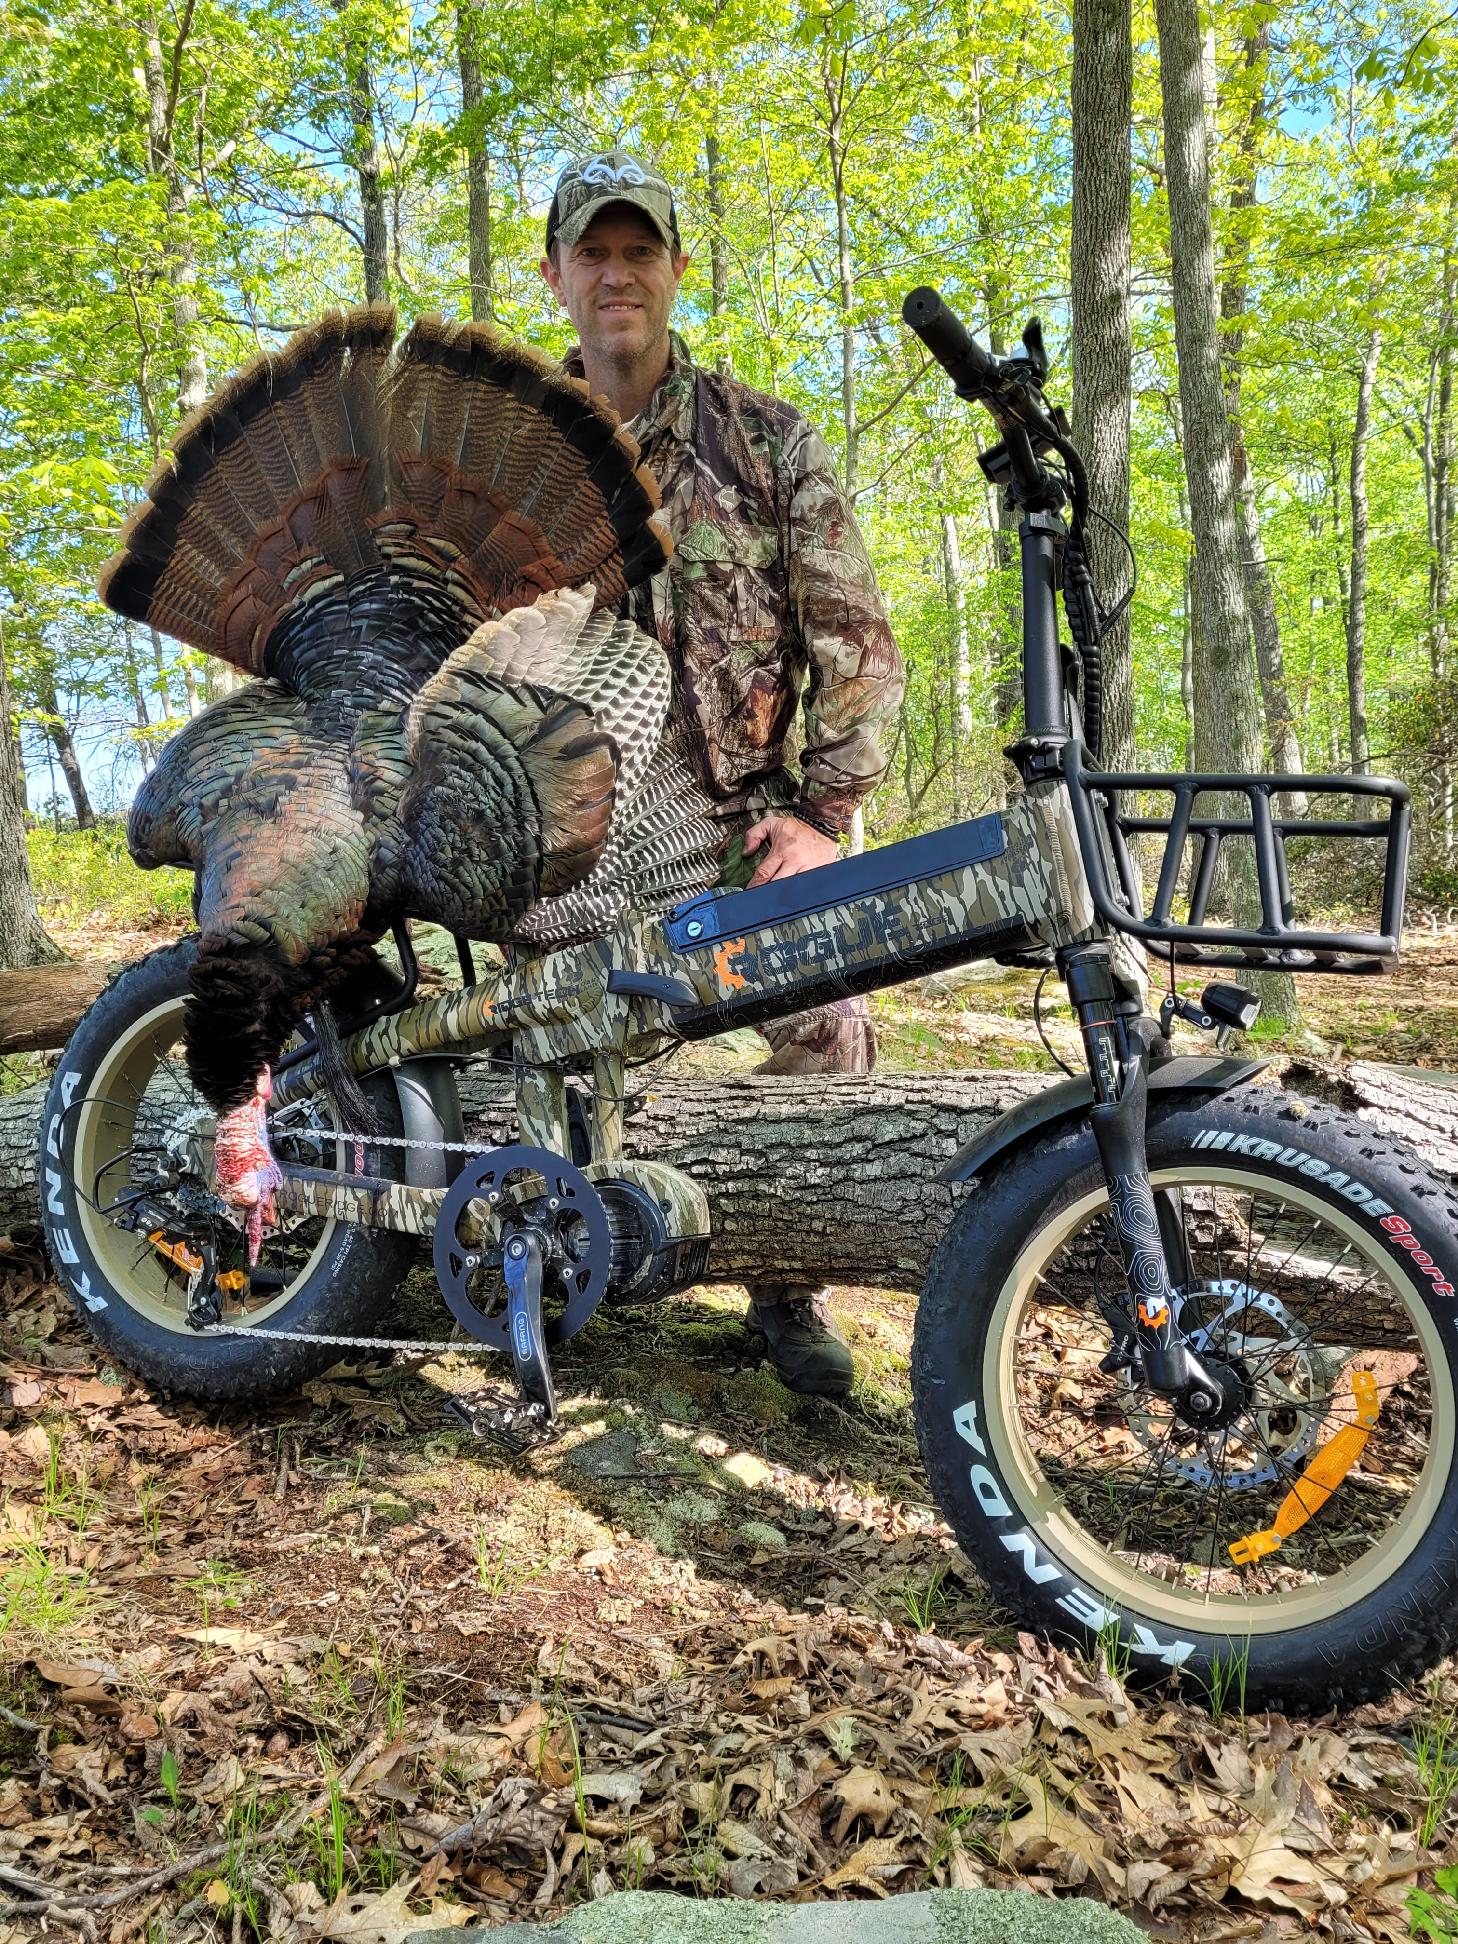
(1278, 943)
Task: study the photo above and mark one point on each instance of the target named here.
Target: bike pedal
(497, 1417)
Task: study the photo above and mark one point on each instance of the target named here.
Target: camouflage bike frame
(1050, 879)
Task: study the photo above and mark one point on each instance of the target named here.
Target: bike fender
(430, 1110)
(1186, 1073)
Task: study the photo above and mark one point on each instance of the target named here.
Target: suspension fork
(1118, 1069)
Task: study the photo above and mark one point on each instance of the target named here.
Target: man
(769, 588)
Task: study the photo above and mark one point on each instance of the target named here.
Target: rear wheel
(1303, 1550)
(126, 1132)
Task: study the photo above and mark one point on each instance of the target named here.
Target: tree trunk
(40, 1007)
(478, 166)
(1234, 293)
(23, 939)
(59, 732)
(1005, 649)
(1102, 94)
(139, 700)
(1357, 589)
(834, 77)
(159, 662)
(718, 244)
(162, 84)
(961, 655)
(832, 1178)
(364, 158)
(1440, 477)
(1227, 729)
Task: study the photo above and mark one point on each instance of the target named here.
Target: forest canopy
(184, 185)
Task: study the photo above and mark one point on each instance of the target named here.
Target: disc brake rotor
(1291, 1373)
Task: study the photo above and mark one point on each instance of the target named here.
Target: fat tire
(348, 1292)
(1362, 1651)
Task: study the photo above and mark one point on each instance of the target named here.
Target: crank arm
(522, 1266)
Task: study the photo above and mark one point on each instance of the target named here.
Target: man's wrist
(828, 807)
(805, 813)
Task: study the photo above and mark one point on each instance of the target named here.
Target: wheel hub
(1212, 1410)
(1245, 1331)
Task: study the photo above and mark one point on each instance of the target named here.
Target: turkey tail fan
(460, 458)
(539, 449)
(265, 441)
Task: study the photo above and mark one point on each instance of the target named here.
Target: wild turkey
(417, 548)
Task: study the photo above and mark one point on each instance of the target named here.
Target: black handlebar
(944, 334)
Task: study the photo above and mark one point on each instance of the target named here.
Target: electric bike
(1184, 1364)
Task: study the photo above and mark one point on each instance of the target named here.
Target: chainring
(523, 1187)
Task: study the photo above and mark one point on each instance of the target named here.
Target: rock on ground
(925, 1917)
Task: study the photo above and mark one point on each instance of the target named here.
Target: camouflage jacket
(768, 596)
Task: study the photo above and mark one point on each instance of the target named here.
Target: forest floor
(328, 1669)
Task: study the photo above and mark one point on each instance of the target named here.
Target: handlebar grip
(950, 342)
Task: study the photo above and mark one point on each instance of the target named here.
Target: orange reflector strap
(177, 1252)
(1326, 1470)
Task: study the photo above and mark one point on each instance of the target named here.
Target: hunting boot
(805, 1347)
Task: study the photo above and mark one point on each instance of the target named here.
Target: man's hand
(789, 848)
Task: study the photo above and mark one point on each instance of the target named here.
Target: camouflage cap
(591, 184)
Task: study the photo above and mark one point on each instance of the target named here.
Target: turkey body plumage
(416, 549)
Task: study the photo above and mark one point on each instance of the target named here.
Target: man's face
(617, 283)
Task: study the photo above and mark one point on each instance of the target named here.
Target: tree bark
(1102, 97)
(830, 1178)
(23, 939)
(1440, 479)
(1227, 728)
(363, 156)
(833, 75)
(1357, 588)
(58, 730)
(41, 1007)
(718, 244)
(834, 1175)
(163, 80)
(478, 166)
(961, 654)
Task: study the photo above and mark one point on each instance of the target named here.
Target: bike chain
(395, 1345)
(414, 1345)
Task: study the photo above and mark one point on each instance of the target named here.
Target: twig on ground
(20, 1721)
(21, 1880)
(58, 1903)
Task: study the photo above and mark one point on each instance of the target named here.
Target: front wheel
(1302, 1552)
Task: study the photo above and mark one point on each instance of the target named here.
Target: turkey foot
(244, 1167)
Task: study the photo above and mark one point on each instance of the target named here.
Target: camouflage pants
(838, 1038)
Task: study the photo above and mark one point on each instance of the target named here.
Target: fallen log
(837, 1172)
(833, 1177)
(41, 1007)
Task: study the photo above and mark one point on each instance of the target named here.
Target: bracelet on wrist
(803, 814)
